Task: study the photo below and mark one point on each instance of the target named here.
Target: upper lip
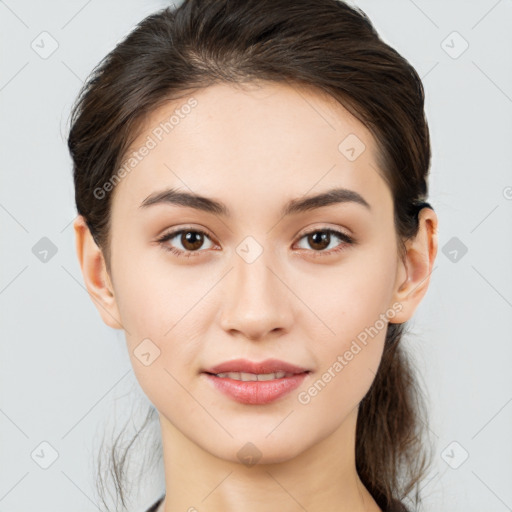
(246, 366)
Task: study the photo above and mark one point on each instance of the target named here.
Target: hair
(323, 44)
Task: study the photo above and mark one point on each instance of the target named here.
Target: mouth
(253, 377)
(256, 389)
(246, 368)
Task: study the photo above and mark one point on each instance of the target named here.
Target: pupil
(320, 237)
(194, 239)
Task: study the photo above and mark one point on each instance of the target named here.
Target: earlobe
(413, 276)
(95, 275)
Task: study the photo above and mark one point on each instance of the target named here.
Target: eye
(322, 238)
(190, 239)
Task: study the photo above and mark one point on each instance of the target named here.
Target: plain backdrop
(63, 373)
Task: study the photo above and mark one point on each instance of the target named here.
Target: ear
(413, 275)
(94, 271)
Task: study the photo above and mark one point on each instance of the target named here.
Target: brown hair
(325, 44)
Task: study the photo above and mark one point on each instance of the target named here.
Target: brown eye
(190, 240)
(320, 239)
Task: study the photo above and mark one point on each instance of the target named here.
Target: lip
(246, 366)
(256, 392)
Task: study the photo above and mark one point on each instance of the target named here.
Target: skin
(254, 149)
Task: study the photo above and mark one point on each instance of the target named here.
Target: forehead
(260, 140)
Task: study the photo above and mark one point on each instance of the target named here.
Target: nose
(257, 301)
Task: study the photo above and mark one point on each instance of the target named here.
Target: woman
(251, 180)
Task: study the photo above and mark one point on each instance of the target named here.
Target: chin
(257, 450)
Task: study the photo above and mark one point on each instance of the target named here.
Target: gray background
(64, 375)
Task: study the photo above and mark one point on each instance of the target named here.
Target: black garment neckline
(396, 506)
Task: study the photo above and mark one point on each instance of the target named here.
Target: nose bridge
(258, 300)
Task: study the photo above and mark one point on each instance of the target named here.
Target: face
(311, 286)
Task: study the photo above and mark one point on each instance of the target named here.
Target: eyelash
(187, 254)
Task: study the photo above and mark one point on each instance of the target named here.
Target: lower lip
(256, 392)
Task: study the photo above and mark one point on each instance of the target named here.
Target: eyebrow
(294, 206)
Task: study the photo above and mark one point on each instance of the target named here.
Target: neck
(322, 477)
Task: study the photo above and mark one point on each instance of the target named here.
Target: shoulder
(397, 506)
(155, 506)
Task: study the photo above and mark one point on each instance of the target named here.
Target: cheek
(155, 300)
(159, 309)
(354, 306)
(353, 295)
(347, 360)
